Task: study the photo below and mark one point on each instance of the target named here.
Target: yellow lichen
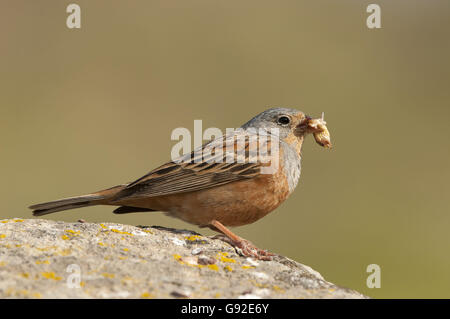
(125, 249)
(12, 221)
(178, 258)
(72, 232)
(192, 238)
(101, 244)
(228, 268)
(247, 267)
(2, 235)
(46, 248)
(223, 258)
(146, 295)
(278, 289)
(121, 232)
(259, 285)
(195, 238)
(126, 278)
(50, 275)
(39, 262)
(107, 275)
(182, 262)
(65, 252)
(213, 267)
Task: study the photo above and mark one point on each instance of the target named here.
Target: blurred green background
(82, 110)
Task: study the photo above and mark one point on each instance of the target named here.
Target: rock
(48, 259)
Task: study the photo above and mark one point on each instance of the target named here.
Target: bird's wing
(226, 159)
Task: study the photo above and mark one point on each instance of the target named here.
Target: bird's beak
(302, 127)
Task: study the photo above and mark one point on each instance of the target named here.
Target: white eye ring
(284, 120)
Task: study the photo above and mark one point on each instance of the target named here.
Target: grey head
(288, 122)
(284, 119)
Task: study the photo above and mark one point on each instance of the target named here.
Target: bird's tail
(97, 198)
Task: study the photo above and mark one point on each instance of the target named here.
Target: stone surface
(47, 259)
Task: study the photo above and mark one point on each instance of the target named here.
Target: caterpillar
(320, 132)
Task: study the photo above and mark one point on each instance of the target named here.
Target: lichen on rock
(48, 259)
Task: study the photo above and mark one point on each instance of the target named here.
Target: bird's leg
(247, 248)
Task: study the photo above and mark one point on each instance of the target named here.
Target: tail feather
(65, 204)
(75, 202)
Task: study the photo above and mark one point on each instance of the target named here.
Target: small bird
(222, 183)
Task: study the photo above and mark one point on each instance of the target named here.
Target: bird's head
(292, 126)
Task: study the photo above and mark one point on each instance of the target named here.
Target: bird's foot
(246, 248)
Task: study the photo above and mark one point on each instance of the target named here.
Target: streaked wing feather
(182, 176)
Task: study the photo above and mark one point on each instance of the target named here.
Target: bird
(232, 180)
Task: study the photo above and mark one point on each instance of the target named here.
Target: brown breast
(234, 204)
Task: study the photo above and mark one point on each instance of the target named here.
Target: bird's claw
(246, 248)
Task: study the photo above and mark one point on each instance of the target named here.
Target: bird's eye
(284, 120)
